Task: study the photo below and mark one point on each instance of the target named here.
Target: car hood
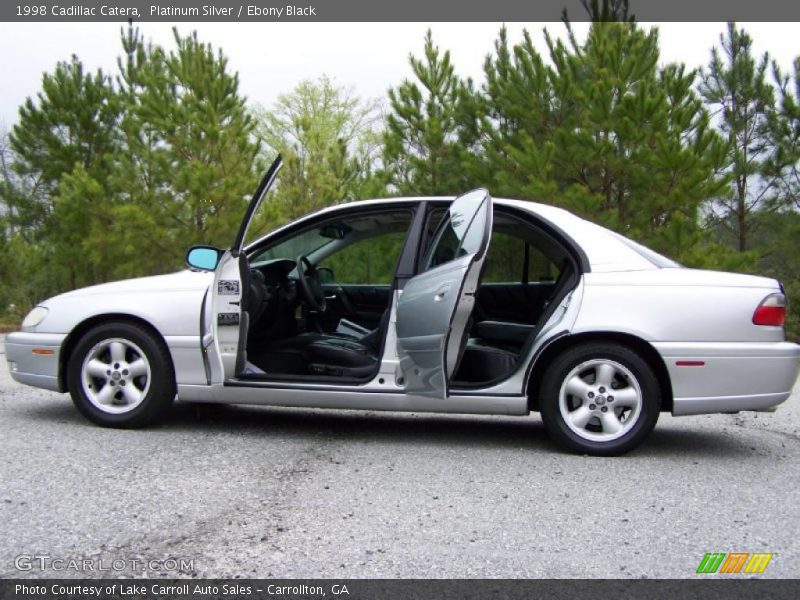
(182, 281)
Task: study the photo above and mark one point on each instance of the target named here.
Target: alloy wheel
(116, 375)
(600, 400)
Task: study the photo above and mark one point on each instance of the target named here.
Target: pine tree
(606, 11)
(600, 129)
(127, 174)
(735, 86)
(507, 128)
(194, 105)
(421, 150)
(777, 239)
(190, 157)
(71, 125)
(784, 147)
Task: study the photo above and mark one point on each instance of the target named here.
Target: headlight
(34, 317)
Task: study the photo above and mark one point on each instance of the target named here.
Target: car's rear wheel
(601, 399)
(120, 375)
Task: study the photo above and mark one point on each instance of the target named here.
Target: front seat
(344, 356)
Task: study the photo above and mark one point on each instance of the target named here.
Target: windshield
(303, 244)
(253, 213)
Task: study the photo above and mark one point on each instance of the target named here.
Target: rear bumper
(729, 377)
(40, 368)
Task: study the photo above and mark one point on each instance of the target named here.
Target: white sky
(272, 57)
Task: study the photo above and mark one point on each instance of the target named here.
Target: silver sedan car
(467, 305)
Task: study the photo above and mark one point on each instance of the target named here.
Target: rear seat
(484, 363)
(493, 350)
(504, 333)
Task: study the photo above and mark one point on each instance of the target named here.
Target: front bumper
(729, 377)
(34, 358)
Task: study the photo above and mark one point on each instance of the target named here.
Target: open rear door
(231, 283)
(434, 309)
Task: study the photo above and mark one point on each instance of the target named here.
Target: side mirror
(203, 258)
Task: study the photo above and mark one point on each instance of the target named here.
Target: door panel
(424, 312)
(227, 316)
(229, 292)
(434, 308)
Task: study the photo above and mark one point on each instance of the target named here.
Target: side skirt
(236, 392)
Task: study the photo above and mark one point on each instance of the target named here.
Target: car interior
(526, 271)
(320, 299)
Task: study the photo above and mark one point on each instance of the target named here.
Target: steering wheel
(308, 276)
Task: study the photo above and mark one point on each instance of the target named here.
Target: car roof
(605, 249)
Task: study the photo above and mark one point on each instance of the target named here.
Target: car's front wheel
(120, 375)
(601, 399)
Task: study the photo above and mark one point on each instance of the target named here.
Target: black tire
(159, 383)
(562, 368)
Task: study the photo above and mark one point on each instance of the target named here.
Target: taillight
(771, 311)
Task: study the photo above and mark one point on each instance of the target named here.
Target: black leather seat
(346, 356)
(503, 332)
(339, 356)
(329, 354)
(482, 363)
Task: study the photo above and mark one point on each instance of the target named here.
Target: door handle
(440, 295)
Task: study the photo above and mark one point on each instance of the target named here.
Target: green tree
(507, 127)
(72, 124)
(327, 137)
(193, 121)
(784, 161)
(600, 129)
(601, 11)
(634, 148)
(115, 178)
(7, 183)
(421, 150)
(777, 239)
(735, 86)
(186, 166)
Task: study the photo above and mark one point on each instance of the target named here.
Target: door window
(461, 231)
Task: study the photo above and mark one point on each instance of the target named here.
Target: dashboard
(273, 294)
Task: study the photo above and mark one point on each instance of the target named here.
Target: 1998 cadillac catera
(470, 305)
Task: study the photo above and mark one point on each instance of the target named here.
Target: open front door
(229, 290)
(434, 309)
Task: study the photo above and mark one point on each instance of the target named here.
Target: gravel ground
(259, 492)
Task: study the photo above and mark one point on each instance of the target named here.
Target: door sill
(277, 380)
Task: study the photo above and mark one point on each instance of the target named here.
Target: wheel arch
(637, 344)
(89, 323)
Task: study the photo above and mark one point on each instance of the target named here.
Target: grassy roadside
(6, 328)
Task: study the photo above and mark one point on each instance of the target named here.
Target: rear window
(659, 260)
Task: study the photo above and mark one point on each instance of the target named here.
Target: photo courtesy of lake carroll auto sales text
(353, 299)
(183, 589)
